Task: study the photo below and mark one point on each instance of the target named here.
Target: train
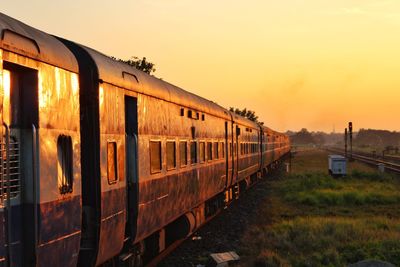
(104, 164)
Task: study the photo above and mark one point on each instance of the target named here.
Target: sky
(314, 64)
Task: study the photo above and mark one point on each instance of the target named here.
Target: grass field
(312, 219)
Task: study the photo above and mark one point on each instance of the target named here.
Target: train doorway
(132, 178)
(19, 165)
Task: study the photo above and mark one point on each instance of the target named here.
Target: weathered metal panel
(112, 225)
(58, 108)
(125, 76)
(169, 194)
(30, 42)
(58, 253)
(113, 193)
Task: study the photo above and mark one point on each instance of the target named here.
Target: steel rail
(369, 160)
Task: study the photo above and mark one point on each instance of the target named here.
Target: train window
(112, 169)
(216, 154)
(203, 117)
(222, 150)
(202, 152)
(155, 156)
(209, 151)
(182, 112)
(230, 149)
(193, 152)
(64, 166)
(183, 153)
(171, 155)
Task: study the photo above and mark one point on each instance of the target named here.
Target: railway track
(391, 166)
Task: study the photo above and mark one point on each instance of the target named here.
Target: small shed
(337, 165)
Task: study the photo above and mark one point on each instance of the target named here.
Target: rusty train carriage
(40, 172)
(248, 154)
(101, 162)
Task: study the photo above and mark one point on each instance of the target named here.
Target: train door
(131, 135)
(228, 163)
(231, 153)
(236, 152)
(18, 167)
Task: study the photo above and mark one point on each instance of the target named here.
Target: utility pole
(345, 142)
(351, 140)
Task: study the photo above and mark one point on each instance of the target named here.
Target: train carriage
(40, 149)
(168, 161)
(247, 160)
(274, 146)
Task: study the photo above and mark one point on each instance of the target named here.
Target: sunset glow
(313, 64)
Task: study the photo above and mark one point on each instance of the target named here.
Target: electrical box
(337, 165)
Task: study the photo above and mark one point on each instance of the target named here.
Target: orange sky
(314, 63)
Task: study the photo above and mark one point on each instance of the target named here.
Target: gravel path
(224, 232)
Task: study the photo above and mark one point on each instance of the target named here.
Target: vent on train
(10, 160)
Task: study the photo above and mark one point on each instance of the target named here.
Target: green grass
(312, 219)
(360, 188)
(319, 241)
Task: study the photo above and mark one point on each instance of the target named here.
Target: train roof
(244, 121)
(22, 39)
(270, 131)
(122, 75)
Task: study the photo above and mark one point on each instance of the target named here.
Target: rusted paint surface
(59, 219)
(175, 194)
(60, 231)
(59, 253)
(112, 228)
(113, 193)
(171, 193)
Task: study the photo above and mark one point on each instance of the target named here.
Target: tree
(247, 113)
(302, 137)
(140, 64)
